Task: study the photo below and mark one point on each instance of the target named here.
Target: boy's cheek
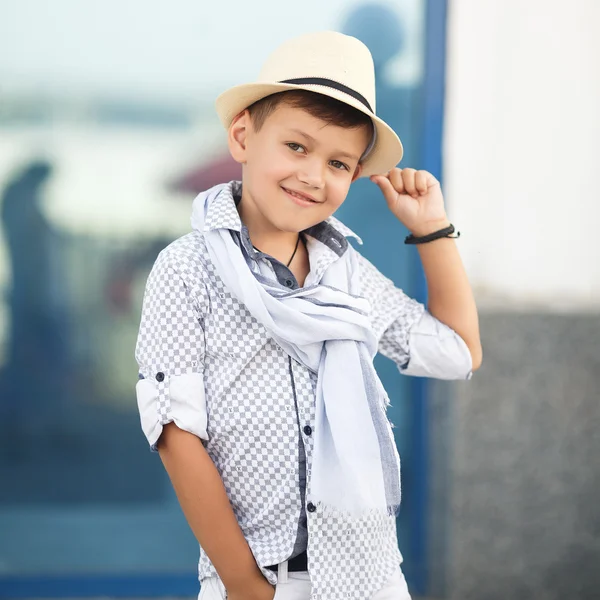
(338, 195)
(274, 167)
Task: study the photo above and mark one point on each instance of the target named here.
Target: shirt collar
(338, 226)
(222, 214)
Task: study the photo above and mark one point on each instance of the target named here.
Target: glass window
(107, 131)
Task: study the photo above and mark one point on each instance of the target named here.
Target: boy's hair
(328, 109)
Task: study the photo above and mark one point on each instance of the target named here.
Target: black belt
(298, 563)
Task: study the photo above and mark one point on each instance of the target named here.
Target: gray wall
(515, 509)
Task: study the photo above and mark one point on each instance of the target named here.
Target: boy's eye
(339, 165)
(295, 147)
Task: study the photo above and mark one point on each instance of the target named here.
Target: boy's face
(292, 157)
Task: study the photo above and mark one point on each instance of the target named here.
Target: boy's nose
(312, 174)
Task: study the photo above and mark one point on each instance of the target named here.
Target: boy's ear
(238, 135)
(357, 172)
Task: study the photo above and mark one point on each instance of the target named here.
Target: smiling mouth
(300, 196)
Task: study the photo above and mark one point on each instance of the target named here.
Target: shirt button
(308, 430)
(310, 507)
(160, 377)
(289, 283)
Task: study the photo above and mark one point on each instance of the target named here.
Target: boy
(259, 329)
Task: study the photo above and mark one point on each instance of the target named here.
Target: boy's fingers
(397, 180)
(385, 185)
(408, 175)
(421, 182)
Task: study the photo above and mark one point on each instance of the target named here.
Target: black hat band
(340, 87)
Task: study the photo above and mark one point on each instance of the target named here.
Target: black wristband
(436, 235)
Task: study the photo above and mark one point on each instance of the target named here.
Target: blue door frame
(433, 120)
(164, 584)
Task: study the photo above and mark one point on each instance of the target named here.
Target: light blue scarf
(326, 327)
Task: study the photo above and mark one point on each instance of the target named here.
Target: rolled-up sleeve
(170, 352)
(415, 340)
(431, 349)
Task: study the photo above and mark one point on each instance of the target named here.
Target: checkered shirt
(209, 366)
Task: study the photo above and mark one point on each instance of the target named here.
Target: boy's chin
(291, 225)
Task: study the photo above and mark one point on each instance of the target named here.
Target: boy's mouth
(300, 198)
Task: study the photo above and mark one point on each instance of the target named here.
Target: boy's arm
(415, 198)
(170, 352)
(205, 504)
(450, 298)
(419, 343)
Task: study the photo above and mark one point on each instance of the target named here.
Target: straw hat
(328, 63)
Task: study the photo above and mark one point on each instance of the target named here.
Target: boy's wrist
(430, 227)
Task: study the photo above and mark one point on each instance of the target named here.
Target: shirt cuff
(185, 405)
(437, 351)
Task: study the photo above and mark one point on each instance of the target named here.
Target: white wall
(522, 149)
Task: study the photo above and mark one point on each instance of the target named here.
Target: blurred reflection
(221, 169)
(33, 382)
(63, 437)
(382, 30)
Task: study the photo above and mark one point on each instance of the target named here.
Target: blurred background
(107, 132)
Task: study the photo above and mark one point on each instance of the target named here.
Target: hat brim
(385, 154)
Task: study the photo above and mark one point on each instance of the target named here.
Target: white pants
(296, 586)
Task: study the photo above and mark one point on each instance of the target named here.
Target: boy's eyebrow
(311, 139)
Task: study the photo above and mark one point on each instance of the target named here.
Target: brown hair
(322, 107)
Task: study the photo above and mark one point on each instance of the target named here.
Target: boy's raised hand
(415, 198)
